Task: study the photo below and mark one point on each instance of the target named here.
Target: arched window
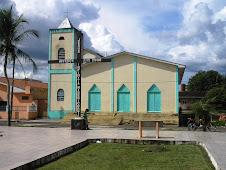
(154, 99)
(61, 54)
(61, 38)
(60, 95)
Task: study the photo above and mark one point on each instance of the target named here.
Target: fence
(20, 108)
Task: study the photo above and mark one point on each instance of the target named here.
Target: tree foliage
(12, 34)
(216, 97)
(201, 112)
(205, 81)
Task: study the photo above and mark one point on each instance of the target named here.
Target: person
(86, 119)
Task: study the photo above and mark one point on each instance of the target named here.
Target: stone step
(123, 118)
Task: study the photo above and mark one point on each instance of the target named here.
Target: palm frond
(27, 59)
(26, 34)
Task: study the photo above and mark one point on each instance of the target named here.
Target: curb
(56, 155)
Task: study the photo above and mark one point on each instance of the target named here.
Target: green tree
(216, 97)
(204, 81)
(12, 34)
(201, 111)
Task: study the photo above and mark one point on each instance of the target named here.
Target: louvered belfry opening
(61, 54)
(60, 95)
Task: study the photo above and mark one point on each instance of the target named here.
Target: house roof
(66, 24)
(192, 94)
(22, 83)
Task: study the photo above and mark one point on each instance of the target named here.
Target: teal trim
(124, 89)
(73, 85)
(73, 48)
(50, 40)
(61, 71)
(123, 99)
(112, 84)
(95, 89)
(153, 99)
(61, 30)
(94, 101)
(57, 114)
(177, 93)
(135, 84)
(154, 88)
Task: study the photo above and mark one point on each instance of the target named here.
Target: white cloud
(202, 38)
(101, 39)
(221, 15)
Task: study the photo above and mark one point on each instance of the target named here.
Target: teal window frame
(154, 90)
(94, 89)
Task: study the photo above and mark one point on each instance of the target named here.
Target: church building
(130, 84)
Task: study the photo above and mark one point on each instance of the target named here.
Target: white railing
(20, 108)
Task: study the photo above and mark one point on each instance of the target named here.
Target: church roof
(66, 24)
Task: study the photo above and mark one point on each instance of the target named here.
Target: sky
(189, 32)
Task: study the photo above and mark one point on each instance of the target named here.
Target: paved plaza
(21, 145)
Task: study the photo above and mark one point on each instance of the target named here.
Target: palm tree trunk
(11, 106)
(8, 89)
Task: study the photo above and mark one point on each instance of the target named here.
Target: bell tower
(62, 77)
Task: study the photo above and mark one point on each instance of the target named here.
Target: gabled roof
(22, 83)
(66, 24)
(149, 58)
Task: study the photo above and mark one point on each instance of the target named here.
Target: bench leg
(157, 130)
(140, 129)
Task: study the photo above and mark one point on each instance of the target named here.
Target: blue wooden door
(157, 100)
(123, 102)
(154, 102)
(95, 101)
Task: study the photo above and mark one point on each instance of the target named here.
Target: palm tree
(11, 35)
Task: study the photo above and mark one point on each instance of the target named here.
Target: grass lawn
(128, 156)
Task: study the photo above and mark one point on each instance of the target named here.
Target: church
(130, 84)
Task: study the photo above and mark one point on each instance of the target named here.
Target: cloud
(187, 32)
(48, 14)
(201, 39)
(101, 39)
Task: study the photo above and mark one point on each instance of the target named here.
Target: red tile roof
(22, 83)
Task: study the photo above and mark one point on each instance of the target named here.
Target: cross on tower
(79, 61)
(67, 13)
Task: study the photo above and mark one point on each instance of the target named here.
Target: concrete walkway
(20, 145)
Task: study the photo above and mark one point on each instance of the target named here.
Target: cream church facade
(130, 83)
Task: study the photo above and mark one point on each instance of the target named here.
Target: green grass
(128, 156)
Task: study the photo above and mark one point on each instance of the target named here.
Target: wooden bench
(143, 123)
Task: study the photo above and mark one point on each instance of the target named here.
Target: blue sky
(189, 32)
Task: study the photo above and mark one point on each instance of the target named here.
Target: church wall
(163, 75)
(57, 44)
(60, 81)
(100, 75)
(124, 74)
